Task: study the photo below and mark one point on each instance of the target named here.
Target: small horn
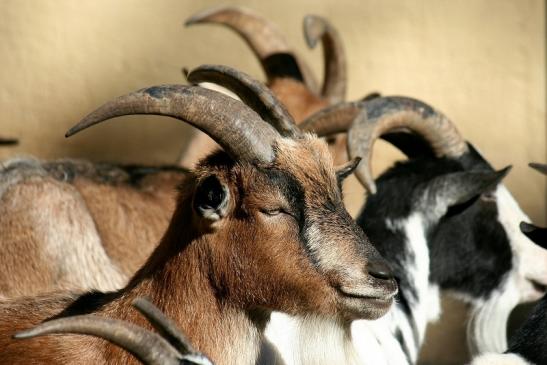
(536, 234)
(147, 346)
(264, 38)
(233, 125)
(539, 167)
(252, 92)
(8, 141)
(335, 74)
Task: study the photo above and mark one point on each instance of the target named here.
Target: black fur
(469, 249)
(282, 65)
(530, 341)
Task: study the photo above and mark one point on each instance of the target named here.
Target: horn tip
(24, 334)
(204, 16)
(538, 167)
(70, 132)
(506, 170)
(312, 30)
(526, 227)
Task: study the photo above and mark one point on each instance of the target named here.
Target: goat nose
(380, 270)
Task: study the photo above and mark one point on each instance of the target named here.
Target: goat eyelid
(275, 211)
(489, 196)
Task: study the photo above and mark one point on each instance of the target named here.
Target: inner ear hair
(347, 169)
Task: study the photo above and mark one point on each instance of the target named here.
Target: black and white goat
(442, 220)
(529, 344)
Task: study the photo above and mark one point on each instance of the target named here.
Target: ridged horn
(252, 92)
(335, 70)
(331, 120)
(369, 120)
(388, 114)
(233, 125)
(263, 37)
(147, 346)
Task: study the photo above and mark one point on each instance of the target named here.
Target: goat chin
(311, 340)
(487, 327)
(499, 359)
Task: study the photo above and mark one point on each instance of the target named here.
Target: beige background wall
(482, 62)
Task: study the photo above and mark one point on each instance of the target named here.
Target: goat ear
(536, 234)
(211, 198)
(347, 169)
(443, 192)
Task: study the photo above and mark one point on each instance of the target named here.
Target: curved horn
(265, 40)
(252, 92)
(539, 167)
(369, 120)
(147, 346)
(387, 114)
(335, 74)
(233, 125)
(334, 119)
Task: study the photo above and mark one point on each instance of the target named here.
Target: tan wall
(481, 62)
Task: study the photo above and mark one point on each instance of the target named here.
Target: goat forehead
(310, 162)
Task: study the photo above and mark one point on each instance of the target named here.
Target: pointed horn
(388, 114)
(165, 326)
(335, 74)
(536, 234)
(252, 92)
(232, 124)
(264, 38)
(8, 141)
(539, 167)
(147, 346)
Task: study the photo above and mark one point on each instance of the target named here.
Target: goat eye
(272, 212)
(488, 196)
(275, 212)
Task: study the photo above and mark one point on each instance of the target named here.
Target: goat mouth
(371, 298)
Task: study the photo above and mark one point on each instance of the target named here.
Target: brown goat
(62, 223)
(76, 225)
(257, 228)
(287, 75)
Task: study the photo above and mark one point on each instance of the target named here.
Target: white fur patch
(311, 340)
(487, 327)
(499, 359)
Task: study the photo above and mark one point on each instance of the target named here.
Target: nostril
(380, 270)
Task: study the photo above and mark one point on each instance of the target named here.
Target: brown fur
(77, 225)
(219, 280)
